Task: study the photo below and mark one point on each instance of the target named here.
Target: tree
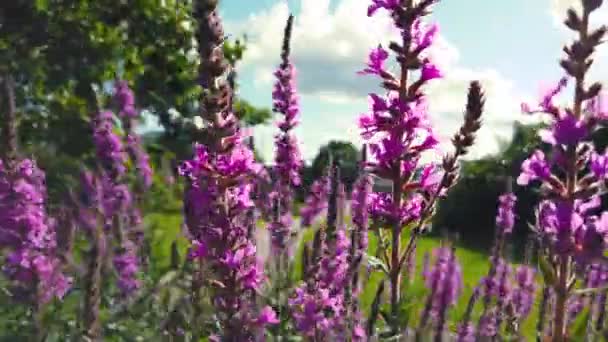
(347, 156)
(57, 49)
(470, 208)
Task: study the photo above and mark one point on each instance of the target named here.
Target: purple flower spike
(445, 281)
(466, 333)
(316, 202)
(506, 218)
(109, 146)
(127, 266)
(288, 161)
(125, 99)
(29, 235)
(523, 295)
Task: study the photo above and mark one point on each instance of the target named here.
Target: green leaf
(377, 264)
(579, 327)
(42, 5)
(547, 270)
(168, 278)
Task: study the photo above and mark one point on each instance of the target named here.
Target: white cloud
(331, 44)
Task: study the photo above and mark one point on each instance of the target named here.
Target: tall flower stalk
(217, 199)
(399, 133)
(319, 307)
(27, 234)
(108, 207)
(571, 236)
(287, 164)
(288, 161)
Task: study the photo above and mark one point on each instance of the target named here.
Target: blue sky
(512, 46)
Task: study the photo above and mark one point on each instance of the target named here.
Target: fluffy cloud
(331, 43)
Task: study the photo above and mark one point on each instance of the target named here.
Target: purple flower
(382, 208)
(567, 130)
(140, 159)
(309, 309)
(316, 202)
(389, 5)
(488, 326)
(127, 266)
(523, 295)
(375, 65)
(423, 36)
(506, 218)
(445, 281)
(546, 103)
(108, 145)
(125, 99)
(288, 161)
(533, 168)
(466, 332)
(28, 234)
(360, 208)
(267, 316)
(598, 163)
(430, 71)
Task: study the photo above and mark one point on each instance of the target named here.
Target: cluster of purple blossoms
(107, 193)
(319, 307)
(316, 201)
(109, 145)
(505, 219)
(215, 217)
(288, 161)
(29, 234)
(444, 279)
(125, 100)
(361, 198)
(399, 133)
(217, 200)
(570, 225)
(397, 128)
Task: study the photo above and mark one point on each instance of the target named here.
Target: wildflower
(505, 218)
(29, 234)
(288, 161)
(533, 168)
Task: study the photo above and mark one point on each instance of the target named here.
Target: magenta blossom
(28, 234)
(389, 5)
(375, 65)
(533, 168)
(547, 100)
(567, 130)
(506, 218)
(598, 164)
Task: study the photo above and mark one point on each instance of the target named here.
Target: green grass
(166, 227)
